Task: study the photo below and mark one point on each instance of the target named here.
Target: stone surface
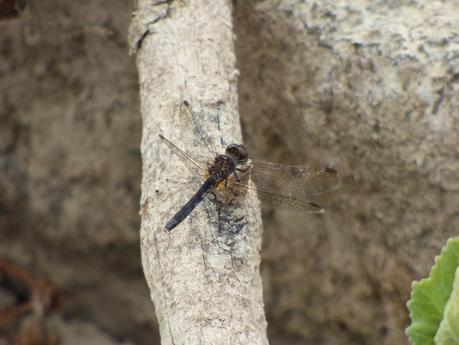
(70, 162)
(372, 90)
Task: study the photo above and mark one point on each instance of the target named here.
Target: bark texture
(204, 275)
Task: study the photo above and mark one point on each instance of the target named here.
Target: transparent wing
(293, 182)
(237, 188)
(197, 149)
(286, 187)
(194, 165)
(280, 202)
(194, 135)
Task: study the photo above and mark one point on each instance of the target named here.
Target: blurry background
(70, 164)
(369, 89)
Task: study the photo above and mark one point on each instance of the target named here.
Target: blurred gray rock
(370, 88)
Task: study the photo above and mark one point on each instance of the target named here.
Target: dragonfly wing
(193, 133)
(270, 200)
(280, 202)
(294, 182)
(194, 164)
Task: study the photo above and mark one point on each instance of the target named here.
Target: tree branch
(204, 275)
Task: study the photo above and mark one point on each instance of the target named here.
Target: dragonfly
(278, 186)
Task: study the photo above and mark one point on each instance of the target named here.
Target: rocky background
(369, 88)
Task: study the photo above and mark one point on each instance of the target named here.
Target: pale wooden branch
(204, 275)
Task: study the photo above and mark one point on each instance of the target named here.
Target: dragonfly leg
(233, 196)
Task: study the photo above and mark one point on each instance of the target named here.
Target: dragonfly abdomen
(192, 203)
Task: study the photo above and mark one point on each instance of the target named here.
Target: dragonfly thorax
(222, 166)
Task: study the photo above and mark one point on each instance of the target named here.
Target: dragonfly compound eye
(238, 153)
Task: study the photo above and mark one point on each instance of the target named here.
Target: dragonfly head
(238, 153)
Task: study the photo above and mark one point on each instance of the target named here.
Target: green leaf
(448, 333)
(430, 296)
